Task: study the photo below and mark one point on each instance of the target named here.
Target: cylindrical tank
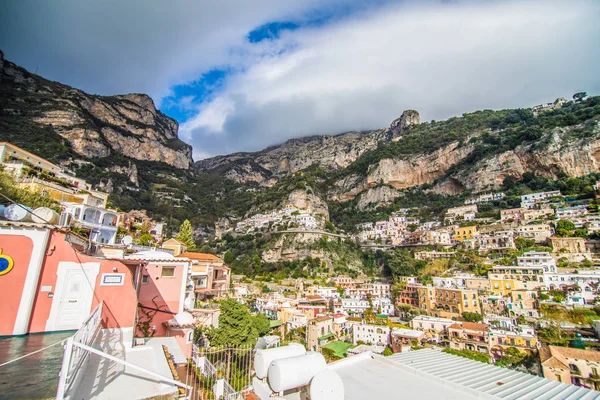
(264, 357)
(294, 372)
(17, 212)
(44, 215)
(326, 385)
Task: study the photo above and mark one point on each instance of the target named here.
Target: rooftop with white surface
(432, 374)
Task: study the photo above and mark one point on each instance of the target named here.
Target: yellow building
(503, 285)
(448, 303)
(465, 232)
(523, 339)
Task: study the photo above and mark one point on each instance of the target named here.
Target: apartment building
(465, 232)
(448, 302)
(511, 214)
(383, 305)
(378, 335)
(463, 213)
(570, 365)
(210, 276)
(522, 338)
(319, 331)
(523, 302)
(538, 259)
(504, 279)
(469, 336)
(355, 307)
(530, 200)
(408, 296)
(435, 328)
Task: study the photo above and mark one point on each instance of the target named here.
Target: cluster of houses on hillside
(535, 220)
(82, 207)
(288, 217)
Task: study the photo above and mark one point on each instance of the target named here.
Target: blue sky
(241, 76)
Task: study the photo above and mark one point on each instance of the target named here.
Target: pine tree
(185, 235)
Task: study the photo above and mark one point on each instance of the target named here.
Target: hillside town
(86, 266)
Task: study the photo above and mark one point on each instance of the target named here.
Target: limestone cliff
(332, 153)
(93, 126)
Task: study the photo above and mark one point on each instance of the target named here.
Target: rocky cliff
(92, 126)
(332, 153)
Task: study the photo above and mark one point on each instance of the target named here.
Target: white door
(71, 312)
(73, 296)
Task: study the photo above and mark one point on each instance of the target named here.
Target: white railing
(74, 356)
(221, 373)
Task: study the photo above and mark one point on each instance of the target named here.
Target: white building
(355, 306)
(584, 283)
(371, 334)
(484, 198)
(571, 212)
(538, 259)
(529, 200)
(101, 223)
(383, 305)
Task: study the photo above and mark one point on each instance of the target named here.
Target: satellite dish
(127, 240)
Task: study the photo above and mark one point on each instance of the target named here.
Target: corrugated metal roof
(488, 379)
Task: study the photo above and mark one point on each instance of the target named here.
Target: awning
(325, 337)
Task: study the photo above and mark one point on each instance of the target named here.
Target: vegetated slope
(121, 144)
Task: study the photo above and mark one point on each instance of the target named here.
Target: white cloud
(116, 46)
(361, 73)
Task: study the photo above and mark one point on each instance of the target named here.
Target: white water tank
(264, 357)
(44, 215)
(17, 212)
(294, 372)
(326, 385)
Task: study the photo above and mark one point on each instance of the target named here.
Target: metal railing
(74, 356)
(220, 373)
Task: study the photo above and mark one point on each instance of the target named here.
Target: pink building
(49, 284)
(53, 287)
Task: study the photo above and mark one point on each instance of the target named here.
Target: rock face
(94, 126)
(331, 153)
(379, 196)
(572, 157)
(307, 201)
(408, 118)
(401, 173)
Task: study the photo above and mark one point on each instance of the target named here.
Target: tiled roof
(200, 256)
(455, 326)
(569, 352)
(473, 326)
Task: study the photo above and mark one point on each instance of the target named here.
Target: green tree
(472, 317)
(261, 324)
(186, 235)
(146, 239)
(236, 326)
(387, 351)
(523, 243)
(564, 228)
(228, 257)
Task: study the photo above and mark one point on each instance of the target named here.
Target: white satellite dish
(127, 240)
